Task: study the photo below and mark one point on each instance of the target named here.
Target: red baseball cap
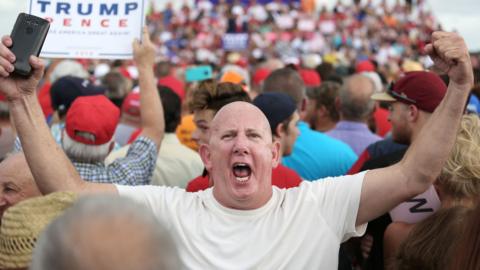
(364, 66)
(260, 75)
(131, 104)
(421, 88)
(175, 84)
(96, 115)
(310, 77)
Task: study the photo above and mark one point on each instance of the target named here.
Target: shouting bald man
(242, 222)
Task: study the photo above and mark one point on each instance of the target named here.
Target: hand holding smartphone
(28, 36)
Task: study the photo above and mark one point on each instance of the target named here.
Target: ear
(204, 152)
(275, 153)
(303, 108)
(413, 113)
(337, 103)
(279, 130)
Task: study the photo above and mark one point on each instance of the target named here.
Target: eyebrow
(249, 130)
(229, 131)
(9, 183)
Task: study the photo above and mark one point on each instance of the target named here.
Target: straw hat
(23, 223)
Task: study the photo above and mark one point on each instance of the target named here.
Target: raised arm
(50, 167)
(385, 188)
(151, 110)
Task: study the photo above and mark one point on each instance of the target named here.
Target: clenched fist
(450, 56)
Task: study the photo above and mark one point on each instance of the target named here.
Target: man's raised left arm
(385, 188)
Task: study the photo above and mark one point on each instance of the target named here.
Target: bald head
(355, 101)
(15, 177)
(240, 112)
(240, 138)
(16, 163)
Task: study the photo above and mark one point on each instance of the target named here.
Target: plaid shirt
(134, 169)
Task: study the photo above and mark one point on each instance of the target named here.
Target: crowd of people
(312, 127)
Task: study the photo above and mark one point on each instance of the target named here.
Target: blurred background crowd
(216, 51)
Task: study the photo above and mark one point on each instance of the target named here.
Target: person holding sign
(242, 221)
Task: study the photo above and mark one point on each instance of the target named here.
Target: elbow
(155, 134)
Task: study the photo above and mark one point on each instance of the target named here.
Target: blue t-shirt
(316, 155)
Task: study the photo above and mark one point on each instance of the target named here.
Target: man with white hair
(242, 221)
(91, 122)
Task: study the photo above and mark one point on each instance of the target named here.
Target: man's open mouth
(241, 171)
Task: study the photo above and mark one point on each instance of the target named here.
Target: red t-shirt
(282, 177)
(381, 121)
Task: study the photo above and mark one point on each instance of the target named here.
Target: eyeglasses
(399, 96)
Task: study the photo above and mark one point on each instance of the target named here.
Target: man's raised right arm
(50, 167)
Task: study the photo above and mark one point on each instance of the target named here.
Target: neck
(324, 125)
(364, 121)
(241, 204)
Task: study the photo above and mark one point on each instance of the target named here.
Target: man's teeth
(242, 179)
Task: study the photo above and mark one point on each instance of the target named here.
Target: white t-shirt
(299, 228)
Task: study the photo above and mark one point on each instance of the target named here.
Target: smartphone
(28, 35)
(199, 73)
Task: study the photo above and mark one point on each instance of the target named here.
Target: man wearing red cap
(91, 122)
(242, 221)
(413, 99)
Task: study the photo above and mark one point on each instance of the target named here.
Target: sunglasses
(399, 96)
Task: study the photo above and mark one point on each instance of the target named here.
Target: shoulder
(117, 154)
(394, 236)
(199, 183)
(383, 147)
(284, 177)
(383, 161)
(142, 141)
(398, 231)
(317, 139)
(344, 183)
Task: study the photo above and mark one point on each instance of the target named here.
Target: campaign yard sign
(101, 29)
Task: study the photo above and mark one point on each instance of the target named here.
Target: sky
(459, 15)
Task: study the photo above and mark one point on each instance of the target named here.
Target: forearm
(429, 152)
(50, 167)
(151, 109)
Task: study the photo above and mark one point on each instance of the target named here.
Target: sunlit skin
(16, 182)
(202, 119)
(240, 134)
